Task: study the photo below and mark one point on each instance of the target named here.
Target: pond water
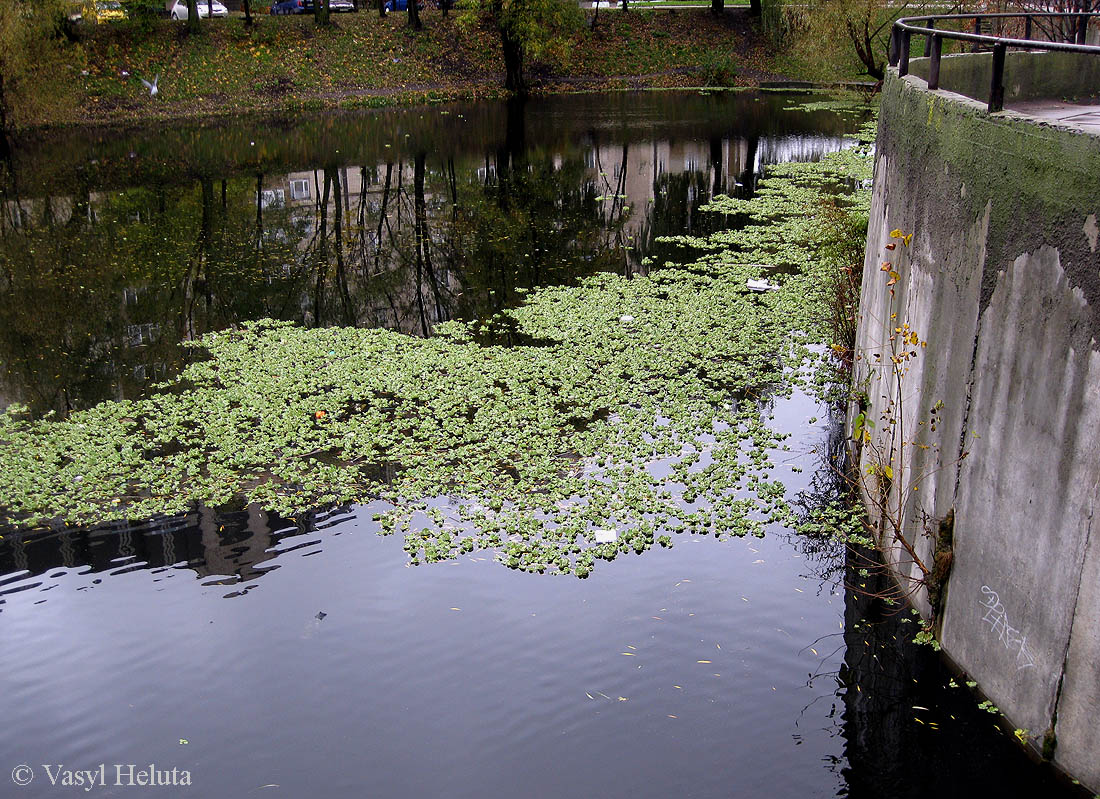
(305, 656)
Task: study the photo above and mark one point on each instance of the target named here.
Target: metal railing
(904, 29)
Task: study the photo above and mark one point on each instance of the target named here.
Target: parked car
(292, 7)
(309, 6)
(400, 5)
(101, 11)
(177, 9)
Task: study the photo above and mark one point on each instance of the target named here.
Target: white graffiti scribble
(1012, 638)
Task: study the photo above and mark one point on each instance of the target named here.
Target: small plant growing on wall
(886, 433)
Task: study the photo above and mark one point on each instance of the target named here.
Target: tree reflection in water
(114, 249)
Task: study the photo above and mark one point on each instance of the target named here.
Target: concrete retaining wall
(1027, 76)
(997, 418)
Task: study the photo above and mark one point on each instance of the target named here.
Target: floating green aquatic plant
(639, 410)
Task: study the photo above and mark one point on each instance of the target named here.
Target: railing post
(1027, 26)
(936, 46)
(892, 53)
(977, 32)
(997, 79)
(931, 23)
(903, 62)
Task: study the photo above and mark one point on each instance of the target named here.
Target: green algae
(640, 410)
(854, 106)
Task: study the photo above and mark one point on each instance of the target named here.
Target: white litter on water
(606, 536)
(626, 319)
(761, 285)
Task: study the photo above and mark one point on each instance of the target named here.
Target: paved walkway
(1083, 116)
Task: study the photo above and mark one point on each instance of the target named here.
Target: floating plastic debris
(761, 285)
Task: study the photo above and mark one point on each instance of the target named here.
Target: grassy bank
(287, 63)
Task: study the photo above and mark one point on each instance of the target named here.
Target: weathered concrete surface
(1027, 75)
(1077, 724)
(998, 417)
(1026, 493)
(1076, 115)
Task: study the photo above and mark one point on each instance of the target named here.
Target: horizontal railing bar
(981, 38)
(1008, 14)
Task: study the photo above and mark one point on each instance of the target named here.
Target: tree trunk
(414, 16)
(748, 178)
(247, 6)
(382, 8)
(322, 255)
(259, 211)
(419, 230)
(3, 108)
(717, 6)
(716, 164)
(382, 218)
(193, 15)
(321, 14)
(755, 9)
(338, 239)
(513, 65)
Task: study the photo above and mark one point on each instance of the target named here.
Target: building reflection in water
(232, 545)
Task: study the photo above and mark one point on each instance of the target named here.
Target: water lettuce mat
(640, 409)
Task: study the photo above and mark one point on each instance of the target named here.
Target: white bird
(152, 87)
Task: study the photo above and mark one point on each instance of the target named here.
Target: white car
(177, 9)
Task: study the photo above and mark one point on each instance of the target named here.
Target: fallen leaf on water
(702, 661)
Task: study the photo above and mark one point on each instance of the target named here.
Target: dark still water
(305, 657)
